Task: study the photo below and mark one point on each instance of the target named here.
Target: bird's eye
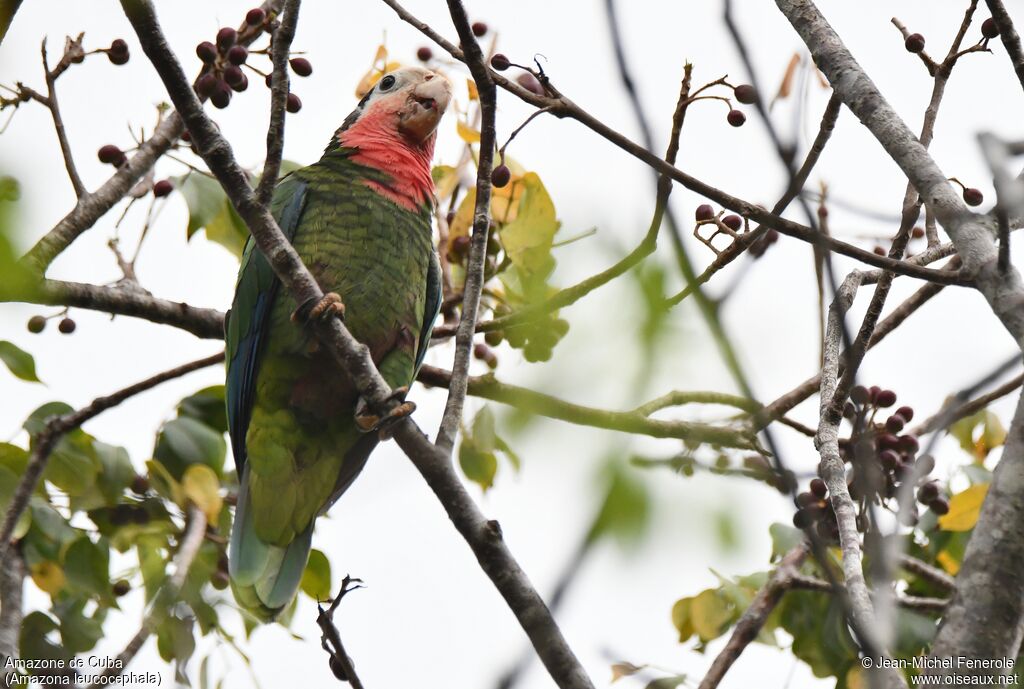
(387, 82)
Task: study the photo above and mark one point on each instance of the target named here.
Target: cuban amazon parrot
(360, 218)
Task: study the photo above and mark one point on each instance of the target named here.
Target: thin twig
(1008, 35)
(58, 121)
(945, 417)
(57, 426)
(281, 43)
(474, 282)
(927, 571)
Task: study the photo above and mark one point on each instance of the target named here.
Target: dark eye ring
(387, 82)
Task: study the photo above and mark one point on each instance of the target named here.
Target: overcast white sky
(430, 617)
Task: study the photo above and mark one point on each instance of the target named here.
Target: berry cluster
(224, 59)
(36, 324)
(882, 457)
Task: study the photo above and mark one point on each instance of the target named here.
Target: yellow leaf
(964, 509)
(201, 486)
(855, 678)
(163, 483)
(445, 178)
(467, 133)
(787, 79)
(682, 619)
(463, 220)
(625, 669)
(382, 54)
(505, 200)
(48, 576)
(948, 562)
(710, 614)
(379, 68)
(527, 239)
(471, 87)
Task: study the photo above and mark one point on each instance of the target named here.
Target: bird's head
(406, 103)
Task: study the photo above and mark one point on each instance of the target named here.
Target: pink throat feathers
(381, 146)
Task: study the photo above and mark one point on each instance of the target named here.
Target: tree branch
(12, 578)
(57, 426)
(281, 43)
(1008, 35)
(58, 122)
(635, 421)
(474, 282)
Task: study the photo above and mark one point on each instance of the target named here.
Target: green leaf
(712, 613)
(20, 362)
(116, 470)
(164, 484)
(184, 441)
(8, 485)
(87, 566)
(78, 632)
(14, 458)
(316, 578)
(527, 239)
(209, 208)
(152, 565)
(484, 434)
(625, 510)
(206, 406)
(479, 467)
(666, 682)
(784, 539)
(74, 465)
(34, 642)
(36, 421)
(175, 642)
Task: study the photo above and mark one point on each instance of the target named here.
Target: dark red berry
(206, 85)
(255, 16)
(819, 488)
(294, 104)
(908, 444)
(481, 351)
(802, 519)
(140, 484)
(805, 499)
(914, 43)
(887, 441)
(928, 492)
(221, 95)
(118, 58)
(733, 222)
(849, 410)
(880, 251)
(233, 75)
(906, 412)
(736, 118)
(889, 459)
(479, 29)
(530, 83)
(501, 176)
(238, 55)
(885, 398)
(111, 155)
(745, 94)
(36, 324)
(301, 66)
(207, 52)
(460, 245)
(66, 326)
(269, 80)
(894, 424)
(163, 188)
(973, 197)
(989, 28)
(939, 506)
(873, 391)
(704, 212)
(338, 670)
(424, 54)
(859, 394)
(118, 45)
(917, 232)
(500, 62)
(226, 38)
(121, 587)
(241, 85)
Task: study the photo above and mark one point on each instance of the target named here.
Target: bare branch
(474, 282)
(12, 578)
(281, 43)
(57, 426)
(926, 571)
(950, 414)
(58, 122)
(1008, 35)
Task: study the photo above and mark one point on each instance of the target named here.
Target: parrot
(360, 220)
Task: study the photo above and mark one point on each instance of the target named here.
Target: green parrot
(360, 219)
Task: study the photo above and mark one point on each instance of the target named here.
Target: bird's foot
(328, 307)
(367, 421)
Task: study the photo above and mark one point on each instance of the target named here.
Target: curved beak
(426, 104)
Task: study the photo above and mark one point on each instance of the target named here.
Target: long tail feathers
(264, 577)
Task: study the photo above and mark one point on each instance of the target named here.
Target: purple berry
(501, 176)
(301, 66)
(226, 38)
(914, 43)
(238, 55)
(499, 62)
(255, 17)
(294, 104)
(704, 212)
(745, 94)
(207, 52)
(736, 118)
